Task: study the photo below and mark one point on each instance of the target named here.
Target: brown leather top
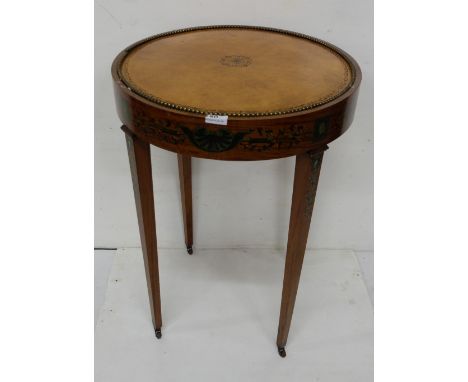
(236, 71)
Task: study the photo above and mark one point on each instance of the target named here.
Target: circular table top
(236, 71)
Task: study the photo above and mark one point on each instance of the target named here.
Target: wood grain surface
(284, 93)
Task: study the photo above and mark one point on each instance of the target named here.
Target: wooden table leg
(140, 166)
(185, 177)
(306, 177)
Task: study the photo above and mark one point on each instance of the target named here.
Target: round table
(232, 92)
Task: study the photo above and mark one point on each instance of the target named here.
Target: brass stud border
(189, 109)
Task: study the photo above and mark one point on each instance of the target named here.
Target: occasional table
(231, 92)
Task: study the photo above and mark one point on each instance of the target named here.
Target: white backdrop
(236, 204)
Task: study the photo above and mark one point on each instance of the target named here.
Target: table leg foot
(139, 155)
(189, 250)
(281, 352)
(306, 177)
(158, 333)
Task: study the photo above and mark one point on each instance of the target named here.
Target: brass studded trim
(241, 114)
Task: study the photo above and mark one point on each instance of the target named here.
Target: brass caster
(282, 352)
(158, 333)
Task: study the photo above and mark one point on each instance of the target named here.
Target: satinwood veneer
(233, 93)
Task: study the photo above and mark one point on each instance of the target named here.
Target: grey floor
(366, 262)
(102, 266)
(227, 297)
(103, 262)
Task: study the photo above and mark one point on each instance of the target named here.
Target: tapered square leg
(140, 166)
(306, 178)
(185, 177)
